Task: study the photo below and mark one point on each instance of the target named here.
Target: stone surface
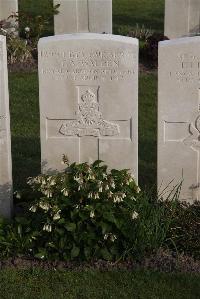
(83, 16)
(7, 7)
(88, 100)
(182, 18)
(179, 115)
(5, 144)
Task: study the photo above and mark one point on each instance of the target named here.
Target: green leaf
(75, 251)
(106, 254)
(97, 163)
(71, 227)
(41, 254)
(87, 252)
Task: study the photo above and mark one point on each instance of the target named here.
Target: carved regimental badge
(89, 120)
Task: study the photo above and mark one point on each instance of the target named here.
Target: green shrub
(88, 212)
(83, 213)
(18, 50)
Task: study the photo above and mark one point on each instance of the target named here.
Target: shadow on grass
(26, 160)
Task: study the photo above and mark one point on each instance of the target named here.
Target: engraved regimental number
(89, 120)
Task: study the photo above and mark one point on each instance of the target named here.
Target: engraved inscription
(89, 65)
(188, 68)
(89, 120)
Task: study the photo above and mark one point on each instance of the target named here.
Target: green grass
(24, 103)
(132, 12)
(97, 285)
(24, 109)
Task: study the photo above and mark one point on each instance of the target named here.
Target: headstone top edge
(179, 41)
(89, 36)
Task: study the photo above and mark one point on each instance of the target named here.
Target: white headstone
(5, 144)
(89, 100)
(83, 16)
(182, 18)
(8, 7)
(179, 115)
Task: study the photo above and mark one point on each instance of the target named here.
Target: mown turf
(149, 13)
(97, 285)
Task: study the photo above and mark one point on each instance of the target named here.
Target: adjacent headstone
(179, 115)
(5, 144)
(83, 16)
(182, 18)
(8, 7)
(89, 100)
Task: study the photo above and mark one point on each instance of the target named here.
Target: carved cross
(88, 126)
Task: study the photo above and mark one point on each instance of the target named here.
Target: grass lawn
(37, 283)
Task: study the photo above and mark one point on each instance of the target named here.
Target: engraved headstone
(83, 16)
(179, 115)
(8, 7)
(88, 100)
(5, 144)
(182, 18)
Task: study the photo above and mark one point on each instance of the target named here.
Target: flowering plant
(86, 212)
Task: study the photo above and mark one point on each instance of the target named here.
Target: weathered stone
(7, 7)
(182, 18)
(179, 115)
(5, 144)
(83, 16)
(88, 100)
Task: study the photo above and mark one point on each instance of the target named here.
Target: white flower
(113, 185)
(91, 177)
(117, 198)
(123, 195)
(65, 192)
(113, 237)
(134, 215)
(105, 237)
(33, 209)
(44, 206)
(138, 189)
(106, 187)
(27, 29)
(47, 227)
(96, 195)
(104, 175)
(53, 182)
(57, 215)
(100, 189)
(48, 193)
(43, 181)
(90, 195)
(92, 214)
